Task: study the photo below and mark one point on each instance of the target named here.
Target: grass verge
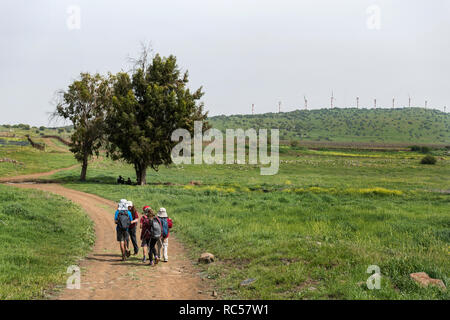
(41, 235)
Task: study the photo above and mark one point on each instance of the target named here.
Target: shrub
(428, 160)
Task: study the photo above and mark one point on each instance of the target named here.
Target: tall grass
(41, 235)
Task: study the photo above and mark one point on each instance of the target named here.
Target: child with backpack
(163, 242)
(123, 219)
(155, 228)
(145, 225)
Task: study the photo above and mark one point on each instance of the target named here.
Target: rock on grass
(424, 280)
(206, 258)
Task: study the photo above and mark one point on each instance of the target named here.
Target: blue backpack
(165, 227)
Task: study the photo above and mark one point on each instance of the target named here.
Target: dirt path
(33, 176)
(105, 276)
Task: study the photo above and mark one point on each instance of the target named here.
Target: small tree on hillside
(146, 108)
(85, 103)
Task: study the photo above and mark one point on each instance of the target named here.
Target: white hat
(122, 205)
(162, 213)
(129, 203)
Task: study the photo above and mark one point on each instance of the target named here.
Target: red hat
(145, 208)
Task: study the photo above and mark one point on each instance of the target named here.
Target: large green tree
(85, 104)
(147, 106)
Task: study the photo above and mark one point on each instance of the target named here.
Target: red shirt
(135, 216)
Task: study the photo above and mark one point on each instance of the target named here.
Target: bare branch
(144, 59)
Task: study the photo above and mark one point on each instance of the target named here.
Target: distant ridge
(405, 125)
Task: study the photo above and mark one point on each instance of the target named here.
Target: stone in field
(247, 282)
(424, 280)
(206, 258)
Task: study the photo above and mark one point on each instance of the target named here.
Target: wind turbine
(357, 102)
(306, 103)
(279, 106)
(375, 103)
(409, 101)
(393, 103)
(253, 108)
(332, 98)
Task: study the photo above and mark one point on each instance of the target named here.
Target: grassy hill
(407, 125)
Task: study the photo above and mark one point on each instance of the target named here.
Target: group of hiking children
(154, 231)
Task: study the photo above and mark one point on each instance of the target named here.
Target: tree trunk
(141, 174)
(84, 168)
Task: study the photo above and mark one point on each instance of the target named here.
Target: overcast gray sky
(241, 51)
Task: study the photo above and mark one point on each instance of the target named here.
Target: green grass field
(41, 235)
(309, 232)
(32, 160)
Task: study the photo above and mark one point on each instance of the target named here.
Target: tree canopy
(146, 107)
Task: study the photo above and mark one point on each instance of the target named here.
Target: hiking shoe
(156, 260)
(136, 252)
(128, 253)
(124, 257)
(151, 263)
(144, 259)
(166, 260)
